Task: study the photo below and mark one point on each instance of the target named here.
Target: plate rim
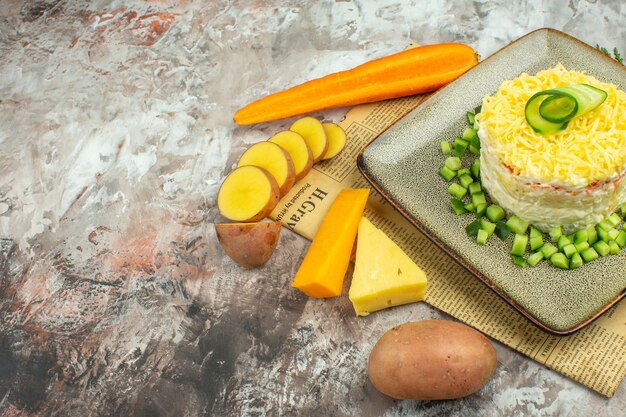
(447, 249)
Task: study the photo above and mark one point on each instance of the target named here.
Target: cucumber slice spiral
(550, 111)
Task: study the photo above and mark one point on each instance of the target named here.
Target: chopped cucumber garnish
(470, 118)
(481, 209)
(457, 206)
(446, 173)
(603, 235)
(535, 258)
(474, 188)
(605, 224)
(457, 191)
(469, 134)
(470, 207)
(555, 233)
(465, 180)
(589, 255)
(592, 235)
(576, 261)
(535, 242)
(501, 230)
(563, 241)
(487, 226)
(479, 198)
(548, 249)
(569, 250)
(519, 245)
(534, 232)
(517, 225)
(602, 247)
(560, 261)
(495, 213)
(475, 169)
(473, 228)
(454, 163)
(445, 147)
(580, 236)
(613, 233)
(459, 146)
(519, 261)
(463, 171)
(615, 219)
(613, 248)
(621, 239)
(482, 236)
(581, 246)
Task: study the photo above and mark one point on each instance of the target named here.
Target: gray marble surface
(115, 132)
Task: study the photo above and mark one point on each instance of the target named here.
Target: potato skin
(249, 245)
(431, 360)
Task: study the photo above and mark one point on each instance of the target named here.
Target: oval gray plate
(402, 164)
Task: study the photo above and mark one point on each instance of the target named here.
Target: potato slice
(297, 149)
(249, 245)
(336, 139)
(275, 160)
(248, 194)
(312, 131)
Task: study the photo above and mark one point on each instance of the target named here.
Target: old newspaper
(594, 356)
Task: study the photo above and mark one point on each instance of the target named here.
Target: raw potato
(336, 139)
(275, 160)
(297, 149)
(313, 133)
(431, 360)
(248, 194)
(249, 245)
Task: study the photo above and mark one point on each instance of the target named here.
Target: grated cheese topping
(591, 148)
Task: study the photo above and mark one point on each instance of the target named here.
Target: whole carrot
(413, 71)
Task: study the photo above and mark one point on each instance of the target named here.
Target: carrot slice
(325, 264)
(413, 71)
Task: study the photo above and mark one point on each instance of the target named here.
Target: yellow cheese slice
(384, 276)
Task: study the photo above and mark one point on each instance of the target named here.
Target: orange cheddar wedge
(325, 264)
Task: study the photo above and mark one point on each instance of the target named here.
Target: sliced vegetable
(487, 226)
(495, 213)
(550, 111)
(475, 168)
(519, 261)
(473, 228)
(453, 162)
(445, 147)
(474, 188)
(324, 266)
(482, 236)
(465, 181)
(555, 233)
(576, 261)
(413, 71)
(517, 225)
(589, 255)
(548, 249)
(535, 258)
(519, 245)
(456, 190)
(446, 173)
(459, 146)
(560, 261)
(602, 247)
(502, 231)
(457, 206)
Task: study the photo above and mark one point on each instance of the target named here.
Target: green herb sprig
(616, 55)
